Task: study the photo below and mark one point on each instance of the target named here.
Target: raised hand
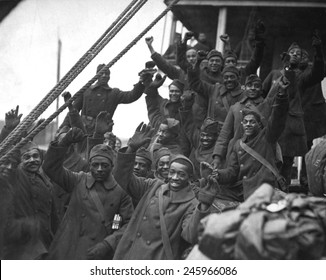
(259, 29)
(12, 119)
(99, 251)
(154, 85)
(104, 123)
(149, 40)
(205, 169)
(208, 192)
(187, 100)
(188, 35)
(225, 38)
(141, 137)
(74, 135)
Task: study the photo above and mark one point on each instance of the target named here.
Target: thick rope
(39, 128)
(72, 74)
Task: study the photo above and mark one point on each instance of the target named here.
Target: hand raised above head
(141, 137)
(104, 123)
(74, 135)
(12, 119)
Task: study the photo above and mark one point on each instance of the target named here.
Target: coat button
(83, 215)
(152, 201)
(241, 165)
(144, 218)
(240, 152)
(148, 242)
(138, 234)
(244, 177)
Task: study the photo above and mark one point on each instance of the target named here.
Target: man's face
(191, 56)
(207, 140)
(250, 125)
(254, 89)
(295, 56)
(230, 80)
(100, 168)
(104, 78)
(230, 61)
(31, 160)
(163, 166)
(174, 93)
(164, 135)
(215, 64)
(141, 167)
(178, 176)
(7, 169)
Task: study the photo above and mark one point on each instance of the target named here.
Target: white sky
(28, 51)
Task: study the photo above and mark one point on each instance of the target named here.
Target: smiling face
(31, 160)
(163, 166)
(100, 168)
(230, 80)
(215, 64)
(174, 93)
(104, 78)
(254, 89)
(178, 176)
(250, 125)
(207, 140)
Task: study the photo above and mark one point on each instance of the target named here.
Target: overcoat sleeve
(123, 173)
(167, 68)
(201, 87)
(126, 97)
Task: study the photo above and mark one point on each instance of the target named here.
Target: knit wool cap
(145, 154)
(185, 161)
(214, 53)
(294, 45)
(160, 153)
(180, 85)
(173, 125)
(230, 54)
(28, 146)
(210, 126)
(102, 150)
(99, 68)
(231, 69)
(252, 78)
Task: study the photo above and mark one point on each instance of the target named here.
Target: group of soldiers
(221, 134)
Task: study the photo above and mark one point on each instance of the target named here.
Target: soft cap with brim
(185, 161)
(102, 150)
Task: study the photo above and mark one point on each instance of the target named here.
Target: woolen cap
(145, 154)
(183, 160)
(160, 153)
(99, 68)
(230, 54)
(102, 150)
(210, 126)
(28, 146)
(252, 78)
(213, 53)
(180, 85)
(231, 69)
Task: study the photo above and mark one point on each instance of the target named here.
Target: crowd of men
(221, 134)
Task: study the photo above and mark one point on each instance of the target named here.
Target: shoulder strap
(165, 236)
(99, 206)
(258, 157)
(225, 102)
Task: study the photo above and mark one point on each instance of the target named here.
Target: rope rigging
(40, 127)
(114, 28)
